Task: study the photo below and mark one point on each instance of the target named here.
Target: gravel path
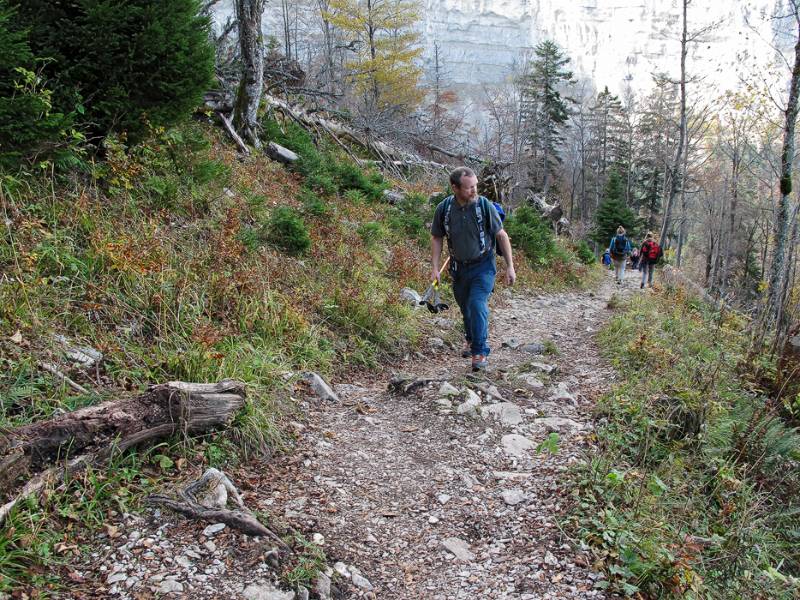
(422, 486)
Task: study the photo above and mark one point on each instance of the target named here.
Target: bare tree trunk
(736, 162)
(684, 224)
(248, 96)
(674, 179)
(781, 231)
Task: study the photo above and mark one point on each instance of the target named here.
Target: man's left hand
(511, 276)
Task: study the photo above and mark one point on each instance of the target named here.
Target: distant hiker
(607, 258)
(650, 253)
(473, 228)
(619, 248)
(635, 258)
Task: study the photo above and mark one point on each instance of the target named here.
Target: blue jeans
(647, 273)
(472, 286)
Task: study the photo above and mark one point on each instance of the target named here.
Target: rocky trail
(426, 483)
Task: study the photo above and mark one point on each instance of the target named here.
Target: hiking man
(649, 255)
(472, 227)
(619, 248)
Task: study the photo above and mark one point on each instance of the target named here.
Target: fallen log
(96, 433)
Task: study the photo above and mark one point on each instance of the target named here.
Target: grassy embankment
(695, 490)
(179, 260)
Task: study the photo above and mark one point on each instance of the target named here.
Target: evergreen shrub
(529, 232)
(131, 65)
(30, 128)
(585, 253)
(287, 231)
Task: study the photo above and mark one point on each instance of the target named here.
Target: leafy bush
(132, 64)
(694, 493)
(287, 231)
(532, 235)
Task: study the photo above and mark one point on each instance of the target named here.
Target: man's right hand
(435, 274)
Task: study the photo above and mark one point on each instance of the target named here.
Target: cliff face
(609, 41)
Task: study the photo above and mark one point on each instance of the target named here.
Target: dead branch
(226, 123)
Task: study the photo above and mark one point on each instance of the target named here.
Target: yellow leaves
(386, 50)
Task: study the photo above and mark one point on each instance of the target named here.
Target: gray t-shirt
(465, 242)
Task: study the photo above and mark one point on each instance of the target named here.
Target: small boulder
(513, 497)
(393, 196)
(459, 549)
(281, 154)
(516, 445)
(512, 343)
(320, 387)
(507, 413)
(558, 424)
(410, 296)
(561, 393)
(470, 404)
(533, 348)
(447, 390)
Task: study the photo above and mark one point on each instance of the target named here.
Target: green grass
(694, 493)
(178, 260)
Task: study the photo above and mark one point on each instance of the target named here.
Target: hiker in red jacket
(648, 257)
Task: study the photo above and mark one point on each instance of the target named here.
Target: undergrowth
(694, 492)
(180, 260)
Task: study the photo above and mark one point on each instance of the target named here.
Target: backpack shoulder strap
(448, 204)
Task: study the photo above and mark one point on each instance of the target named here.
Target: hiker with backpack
(619, 248)
(635, 255)
(650, 253)
(473, 229)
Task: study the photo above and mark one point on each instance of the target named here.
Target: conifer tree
(544, 112)
(29, 128)
(612, 212)
(128, 64)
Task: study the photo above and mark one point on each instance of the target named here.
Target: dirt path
(428, 495)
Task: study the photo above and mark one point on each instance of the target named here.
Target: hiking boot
(641, 286)
(467, 351)
(479, 362)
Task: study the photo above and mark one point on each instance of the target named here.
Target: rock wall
(611, 42)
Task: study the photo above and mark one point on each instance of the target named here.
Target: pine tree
(612, 212)
(384, 70)
(608, 147)
(129, 64)
(544, 112)
(28, 125)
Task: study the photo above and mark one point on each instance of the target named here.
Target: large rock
(516, 445)
(507, 413)
(265, 591)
